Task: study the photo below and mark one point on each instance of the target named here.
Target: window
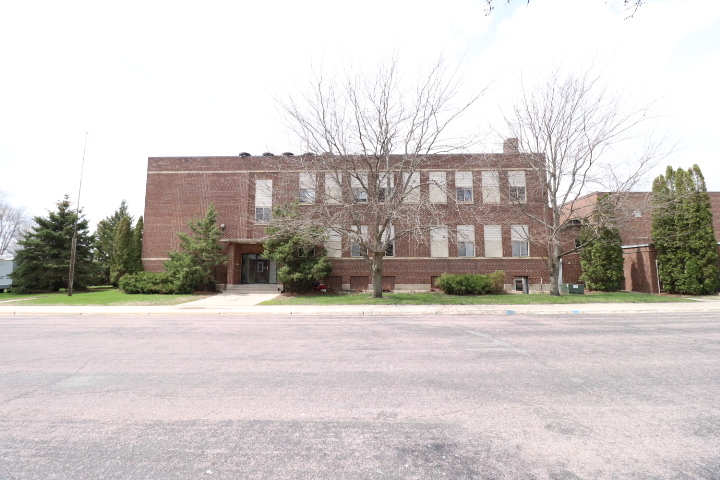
(390, 235)
(386, 184)
(439, 242)
(333, 189)
(356, 250)
(637, 213)
(262, 214)
(464, 187)
(307, 188)
(412, 187)
(358, 185)
(333, 245)
(519, 238)
(518, 191)
(493, 241)
(491, 187)
(263, 200)
(466, 240)
(438, 187)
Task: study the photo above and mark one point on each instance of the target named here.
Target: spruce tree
(105, 239)
(683, 233)
(121, 259)
(700, 273)
(601, 258)
(136, 263)
(43, 259)
(299, 253)
(194, 266)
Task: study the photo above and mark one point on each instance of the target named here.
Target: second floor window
(263, 200)
(466, 240)
(358, 187)
(518, 191)
(464, 187)
(307, 188)
(520, 240)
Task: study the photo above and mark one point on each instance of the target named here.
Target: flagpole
(73, 248)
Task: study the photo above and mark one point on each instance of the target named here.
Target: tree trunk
(376, 270)
(554, 268)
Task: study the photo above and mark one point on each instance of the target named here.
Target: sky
(141, 79)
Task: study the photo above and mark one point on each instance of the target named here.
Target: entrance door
(256, 269)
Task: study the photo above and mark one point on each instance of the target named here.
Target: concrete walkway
(246, 304)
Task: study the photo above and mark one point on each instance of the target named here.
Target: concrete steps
(254, 288)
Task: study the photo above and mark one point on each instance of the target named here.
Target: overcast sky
(184, 78)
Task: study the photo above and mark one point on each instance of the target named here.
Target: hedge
(467, 284)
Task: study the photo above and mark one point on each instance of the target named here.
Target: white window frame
(333, 244)
(263, 201)
(333, 188)
(355, 247)
(518, 187)
(412, 187)
(386, 185)
(466, 240)
(491, 187)
(390, 234)
(464, 187)
(308, 188)
(438, 187)
(439, 242)
(493, 241)
(520, 240)
(358, 183)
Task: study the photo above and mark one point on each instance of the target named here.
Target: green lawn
(437, 298)
(105, 296)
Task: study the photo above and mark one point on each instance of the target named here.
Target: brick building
(635, 209)
(245, 188)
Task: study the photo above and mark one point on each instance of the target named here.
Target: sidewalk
(246, 305)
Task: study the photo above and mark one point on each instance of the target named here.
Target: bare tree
(13, 223)
(579, 137)
(370, 134)
(630, 6)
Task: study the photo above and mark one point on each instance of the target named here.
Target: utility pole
(73, 248)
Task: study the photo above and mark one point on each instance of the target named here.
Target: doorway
(257, 269)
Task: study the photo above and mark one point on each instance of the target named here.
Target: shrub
(151, 282)
(467, 284)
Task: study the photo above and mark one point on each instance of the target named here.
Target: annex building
(481, 232)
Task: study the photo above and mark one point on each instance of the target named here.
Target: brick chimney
(511, 145)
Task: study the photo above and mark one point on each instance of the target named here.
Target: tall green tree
(683, 233)
(601, 258)
(105, 239)
(121, 259)
(43, 259)
(136, 261)
(195, 265)
(299, 252)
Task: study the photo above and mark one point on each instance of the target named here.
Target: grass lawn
(437, 298)
(100, 296)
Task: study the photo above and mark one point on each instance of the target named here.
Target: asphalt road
(229, 397)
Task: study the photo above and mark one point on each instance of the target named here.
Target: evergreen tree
(43, 260)
(121, 259)
(683, 233)
(194, 266)
(105, 239)
(299, 253)
(136, 262)
(601, 258)
(664, 230)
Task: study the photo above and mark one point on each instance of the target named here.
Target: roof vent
(244, 154)
(308, 154)
(288, 154)
(268, 154)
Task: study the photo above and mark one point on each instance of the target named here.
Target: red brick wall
(180, 189)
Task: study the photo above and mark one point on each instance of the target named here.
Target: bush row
(471, 284)
(152, 282)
